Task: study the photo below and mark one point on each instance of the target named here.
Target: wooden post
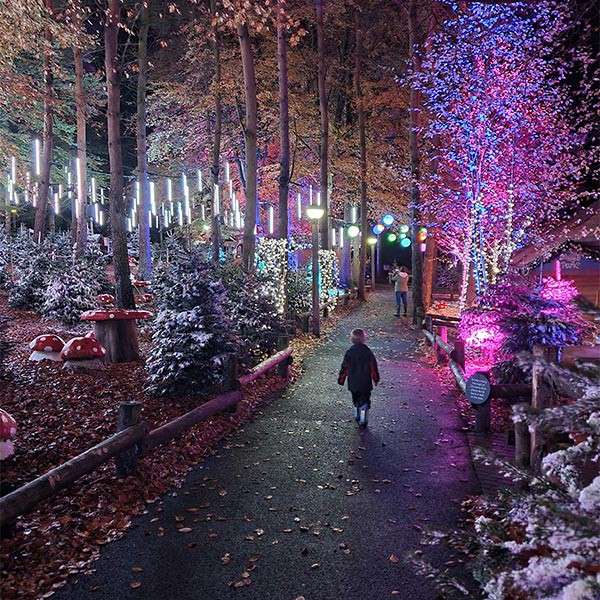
(541, 398)
(458, 354)
(129, 414)
(429, 323)
(522, 441)
(443, 337)
(483, 417)
(229, 364)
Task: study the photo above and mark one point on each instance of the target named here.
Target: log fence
(530, 445)
(134, 438)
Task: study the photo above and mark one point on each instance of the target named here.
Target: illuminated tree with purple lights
(501, 148)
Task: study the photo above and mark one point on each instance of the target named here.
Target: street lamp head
(371, 241)
(314, 212)
(353, 231)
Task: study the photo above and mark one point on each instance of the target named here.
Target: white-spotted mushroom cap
(83, 348)
(47, 343)
(8, 426)
(115, 314)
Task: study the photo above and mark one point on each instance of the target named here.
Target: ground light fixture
(353, 231)
(314, 212)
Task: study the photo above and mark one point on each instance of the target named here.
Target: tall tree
(413, 142)
(79, 219)
(324, 114)
(41, 211)
(362, 135)
(124, 290)
(284, 121)
(144, 249)
(250, 132)
(216, 147)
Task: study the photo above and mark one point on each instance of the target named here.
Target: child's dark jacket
(360, 367)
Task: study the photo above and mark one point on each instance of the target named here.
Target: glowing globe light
(353, 231)
(423, 247)
(377, 229)
(387, 220)
(371, 241)
(392, 237)
(401, 235)
(404, 229)
(314, 212)
(423, 230)
(405, 242)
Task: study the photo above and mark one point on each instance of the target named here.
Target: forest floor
(60, 414)
(299, 503)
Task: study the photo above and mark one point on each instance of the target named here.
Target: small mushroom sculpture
(91, 334)
(105, 299)
(8, 431)
(83, 353)
(46, 347)
(146, 298)
(140, 283)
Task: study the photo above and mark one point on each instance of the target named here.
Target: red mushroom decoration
(46, 347)
(146, 298)
(115, 328)
(105, 299)
(83, 353)
(8, 431)
(140, 283)
(90, 334)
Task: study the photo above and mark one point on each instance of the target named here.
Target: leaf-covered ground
(59, 415)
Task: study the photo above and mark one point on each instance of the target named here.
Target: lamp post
(372, 242)
(353, 231)
(314, 213)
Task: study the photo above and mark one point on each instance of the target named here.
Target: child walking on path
(360, 368)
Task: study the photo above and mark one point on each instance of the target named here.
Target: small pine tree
(29, 288)
(190, 330)
(253, 312)
(70, 293)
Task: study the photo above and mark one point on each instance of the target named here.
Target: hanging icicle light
(152, 198)
(187, 207)
(199, 173)
(354, 214)
(13, 169)
(69, 185)
(56, 204)
(216, 200)
(100, 217)
(341, 236)
(170, 193)
(227, 178)
(333, 236)
(94, 190)
(37, 157)
(180, 214)
(271, 220)
(318, 198)
(203, 212)
(310, 194)
(299, 205)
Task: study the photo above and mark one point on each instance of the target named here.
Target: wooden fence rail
(133, 440)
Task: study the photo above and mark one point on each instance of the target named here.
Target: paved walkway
(300, 502)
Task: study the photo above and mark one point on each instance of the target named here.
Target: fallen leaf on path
(393, 558)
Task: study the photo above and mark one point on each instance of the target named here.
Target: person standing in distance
(399, 277)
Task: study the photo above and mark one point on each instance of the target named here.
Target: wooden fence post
(129, 414)
(283, 342)
(522, 441)
(483, 417)
(541, 398)
(443, 336)
(229, 363)
(459, 353)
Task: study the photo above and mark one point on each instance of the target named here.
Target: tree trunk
(80, 202)
(429, 270)
(216, 149)
(41, 211)
(250, 129)
(324, 141)
(124, 290)
(144, 248)
(415, 100)
(284, 123)
(363, 158)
